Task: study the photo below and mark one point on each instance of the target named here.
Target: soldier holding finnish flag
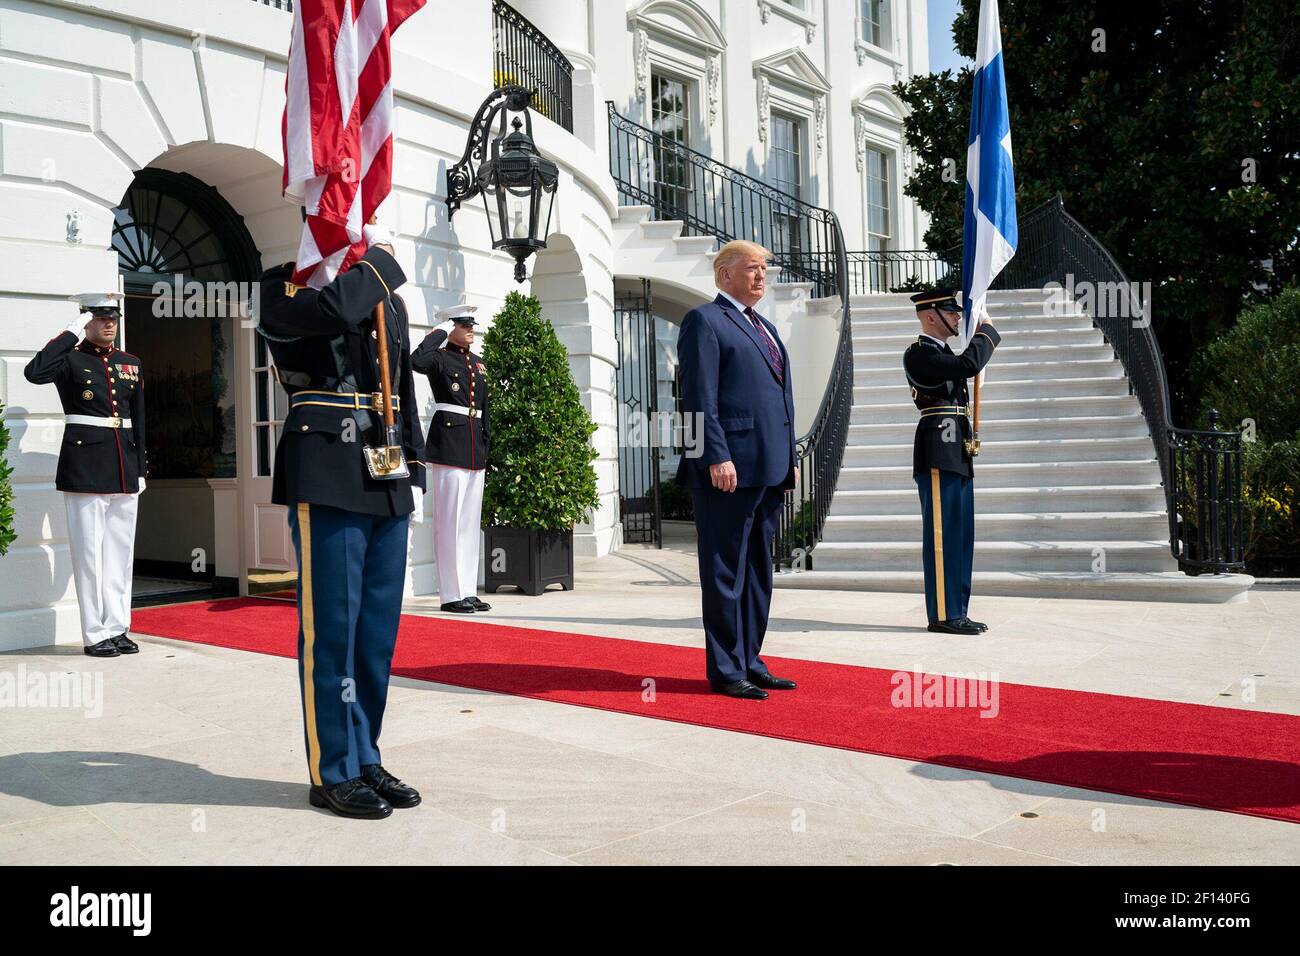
(956, 342)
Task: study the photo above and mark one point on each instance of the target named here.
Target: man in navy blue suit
(736, 395)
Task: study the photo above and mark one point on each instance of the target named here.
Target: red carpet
(1216, 757)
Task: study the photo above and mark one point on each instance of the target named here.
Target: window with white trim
(874, 16)
(880, 213)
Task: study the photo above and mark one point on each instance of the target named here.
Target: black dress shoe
(772, 683)
(459, 607)
(351, 798)
(740, 688)
(389, 787)
(976, 624)
(105, 648)
(478, 605)
(957, 625)
(125, 645)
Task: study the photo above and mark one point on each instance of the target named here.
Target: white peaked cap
(456, 312)
(97, 300)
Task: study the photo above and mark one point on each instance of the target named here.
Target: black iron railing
(278, 4)
(522, 55)
(1201, 469)
(1207, 525)
(679, 183)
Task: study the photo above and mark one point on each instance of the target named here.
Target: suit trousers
(351, 576)
(947, 542)
(101, 539)
(735, 532)
(457, 528)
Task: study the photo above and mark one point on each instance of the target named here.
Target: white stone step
(1077, 556)
(903, 499)
(1017, 355)
(989, 475)
(657, 230)
(869, 340)
(1094, 526)
(1012, 429)
(996, 300)
(1063, 407)
(694, 245)
(1006, 452)
(633, 214)
(1090, 368)
(888, 388)
(1110, 586)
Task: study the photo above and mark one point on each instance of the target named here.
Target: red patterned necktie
(772, 351)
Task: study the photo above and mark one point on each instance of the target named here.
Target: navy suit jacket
(730, 386)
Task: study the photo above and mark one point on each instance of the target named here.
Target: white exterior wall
(93, 90)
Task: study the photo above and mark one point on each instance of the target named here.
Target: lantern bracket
(462, 182)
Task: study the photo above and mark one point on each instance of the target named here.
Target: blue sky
(942, 55)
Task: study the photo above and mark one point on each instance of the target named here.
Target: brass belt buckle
(377, 401)
(472, 411)
(115, 422)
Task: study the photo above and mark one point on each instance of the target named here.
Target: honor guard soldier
(457, 449)
(348, 511)
(942, 455)
(101, 467)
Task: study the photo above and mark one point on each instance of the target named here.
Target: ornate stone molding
(642, 63)
(714, 84)
(764, 10)
(820, 124)
(859, 138)
(764, 107)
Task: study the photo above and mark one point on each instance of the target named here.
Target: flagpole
(385, 383)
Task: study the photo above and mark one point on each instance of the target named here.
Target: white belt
(454, 409)
(98, 422)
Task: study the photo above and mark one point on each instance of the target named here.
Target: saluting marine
(942, 455)
(101, 469)
(349, 528)
(457, 449)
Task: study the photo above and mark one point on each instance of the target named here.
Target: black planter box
(527, 559)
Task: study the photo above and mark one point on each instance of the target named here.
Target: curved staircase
(1068, 492)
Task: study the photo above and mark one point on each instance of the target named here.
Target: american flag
(338, 126)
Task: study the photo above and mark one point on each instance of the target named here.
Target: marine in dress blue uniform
(349, 529)
(101, 469)
(942, 459)
(456, 449)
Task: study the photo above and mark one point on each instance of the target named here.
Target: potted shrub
(540, 478)
(7, 533)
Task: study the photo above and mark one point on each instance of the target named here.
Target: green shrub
(675, 503)
(1251, 375)
(1252, 371)
(1271, 476)
(7, 533)
(540, 473)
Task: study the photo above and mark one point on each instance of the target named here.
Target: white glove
(377, 234)
(142, 484)
(78, 325)
(418, 497)
(446, 327)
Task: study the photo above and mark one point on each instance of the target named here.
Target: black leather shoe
(459, 607)
(740, 688)
(105, 648)
(125, 645)
(955, 626)
(351, 798)
(772, 683)
(478, 605)
(389, 787)
(976, 624)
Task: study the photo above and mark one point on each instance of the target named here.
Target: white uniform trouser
(457, 515)
(101, 537)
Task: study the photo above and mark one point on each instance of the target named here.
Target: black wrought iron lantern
(516, 182)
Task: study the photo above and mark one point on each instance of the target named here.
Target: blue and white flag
(989, 235)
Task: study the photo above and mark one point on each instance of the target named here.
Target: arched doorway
(187, 265)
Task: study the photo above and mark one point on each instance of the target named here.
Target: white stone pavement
(198, 756)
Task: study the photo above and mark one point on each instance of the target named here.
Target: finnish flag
(989, 234)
